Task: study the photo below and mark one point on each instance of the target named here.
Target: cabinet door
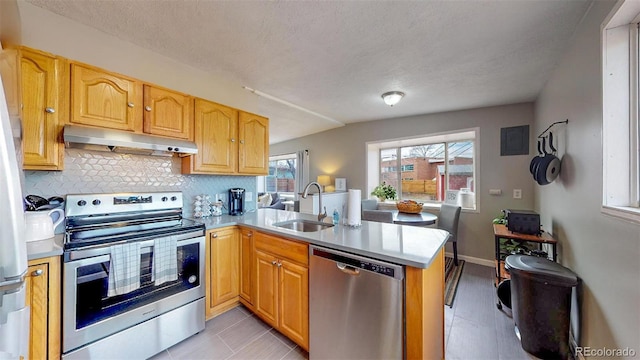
(102, 99)
(294, 302)
(246, 265)
(223, 268)
(37, 299)
(43, 103)
(253, 150)
(43, 297)
(215, 134)
(266, 287)
(167, 113)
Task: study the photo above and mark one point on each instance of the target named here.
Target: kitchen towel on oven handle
(124, 269)
(165, 260)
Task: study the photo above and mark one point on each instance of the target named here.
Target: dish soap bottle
(336, 217)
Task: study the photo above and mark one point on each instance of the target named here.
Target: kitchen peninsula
(253, 247)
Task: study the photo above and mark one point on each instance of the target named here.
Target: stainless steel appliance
(236, 201)
(101, 321)
(14, 314)
(355, 306)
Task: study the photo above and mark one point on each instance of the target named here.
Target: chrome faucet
(321, 215)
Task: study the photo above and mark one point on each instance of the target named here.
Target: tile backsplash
(104, 172)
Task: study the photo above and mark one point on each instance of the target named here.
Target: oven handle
(99, 250)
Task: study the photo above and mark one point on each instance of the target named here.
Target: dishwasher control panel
(377, 268)
(359, 262)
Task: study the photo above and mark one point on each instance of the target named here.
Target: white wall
(341, 152)
(604, 251)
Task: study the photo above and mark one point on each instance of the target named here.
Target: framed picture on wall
(341, 184)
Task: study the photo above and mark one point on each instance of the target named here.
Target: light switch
(517, 193)
(248, 196)
(495, 191)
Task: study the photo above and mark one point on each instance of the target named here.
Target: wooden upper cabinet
(253, 150)
(44, 105)
(103, 99)
(167, 113)
(216, 129)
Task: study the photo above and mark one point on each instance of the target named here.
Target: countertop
(45, 248)
(401, 244)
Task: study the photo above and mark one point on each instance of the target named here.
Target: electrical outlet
(517, 193)
(221, 197)
(248, 196)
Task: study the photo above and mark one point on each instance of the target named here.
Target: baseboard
(473, 260)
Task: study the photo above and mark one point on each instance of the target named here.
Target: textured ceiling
(336, 58)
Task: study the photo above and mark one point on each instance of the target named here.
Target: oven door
(90, 314)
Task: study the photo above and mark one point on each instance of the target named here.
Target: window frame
(620, 34)
(374, 168)
(276, 158)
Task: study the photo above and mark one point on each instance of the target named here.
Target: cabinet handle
(50, 110)
(250, 234)
(130, 104)
(241, 141)
(233, 140)
(279, 264)
(37, 272)
(148, 108)
(274, 262)
(214, 235)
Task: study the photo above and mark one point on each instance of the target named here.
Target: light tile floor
(474, 329)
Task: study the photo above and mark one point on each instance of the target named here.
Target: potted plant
(384, 191)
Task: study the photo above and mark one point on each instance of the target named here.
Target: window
(620, 130)
(282, 174)
(426, 168)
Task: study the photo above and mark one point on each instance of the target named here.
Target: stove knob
(170, 148)
(174, 198)
(164, 198)
(96, 202)
(82, 203)
(192, 279)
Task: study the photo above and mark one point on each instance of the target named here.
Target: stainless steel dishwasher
(356, 306)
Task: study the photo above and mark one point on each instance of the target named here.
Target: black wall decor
(514, 140)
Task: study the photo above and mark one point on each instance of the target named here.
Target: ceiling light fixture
(392, 97)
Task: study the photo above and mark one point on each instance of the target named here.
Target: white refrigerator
(14, 314)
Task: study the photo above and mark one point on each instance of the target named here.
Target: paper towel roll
(355, 203)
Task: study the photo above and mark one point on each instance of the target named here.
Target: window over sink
(428, 167)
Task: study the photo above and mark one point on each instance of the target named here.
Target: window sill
(429, 207)
(622, 212)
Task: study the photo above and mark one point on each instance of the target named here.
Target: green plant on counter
(384, 191)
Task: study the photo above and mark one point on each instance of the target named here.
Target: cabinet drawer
(289, 249)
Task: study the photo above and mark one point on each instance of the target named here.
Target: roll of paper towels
(353, 212)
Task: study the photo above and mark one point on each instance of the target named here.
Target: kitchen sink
(303, 225)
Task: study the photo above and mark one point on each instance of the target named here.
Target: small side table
(501, 232)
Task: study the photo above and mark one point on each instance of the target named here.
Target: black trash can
(541, 304)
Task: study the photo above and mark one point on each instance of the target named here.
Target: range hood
(125, 142)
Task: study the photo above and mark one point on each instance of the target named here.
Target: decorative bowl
(409, 206)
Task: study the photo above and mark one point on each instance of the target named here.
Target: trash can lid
(541, 269)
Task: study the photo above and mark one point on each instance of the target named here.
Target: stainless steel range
(132, 276)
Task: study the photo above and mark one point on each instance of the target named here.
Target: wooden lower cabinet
(222, 270)
(282, 286)
(246, 267)
(43, 297)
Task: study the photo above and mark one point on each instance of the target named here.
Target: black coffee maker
(236, 201)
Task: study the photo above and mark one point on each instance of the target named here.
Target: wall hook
(550, 126)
